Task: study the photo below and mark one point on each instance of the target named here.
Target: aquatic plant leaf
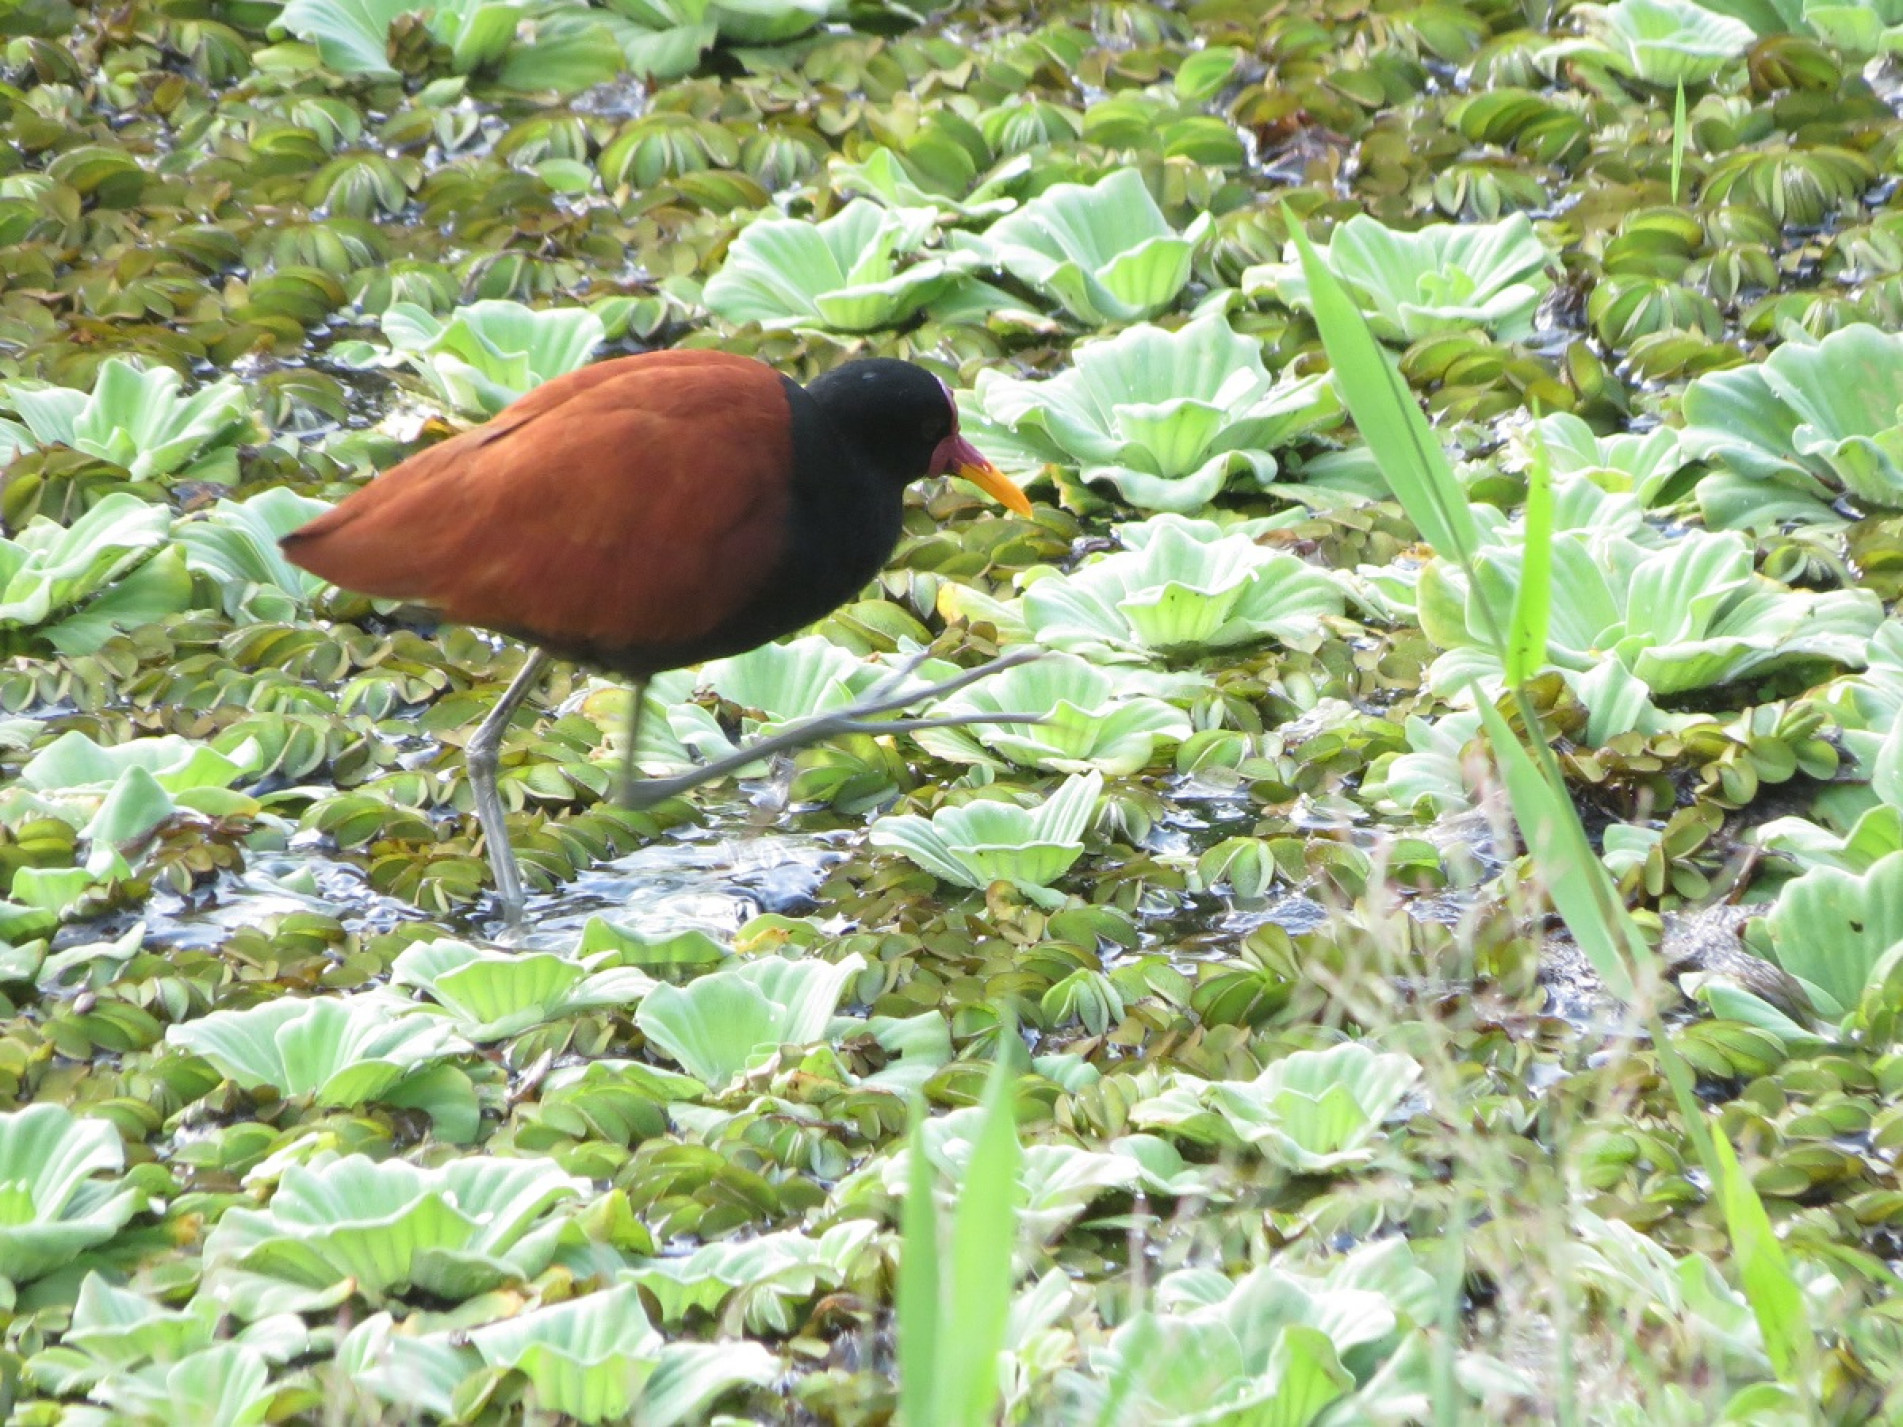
(716, 1023)
(1639, 463)
(235, 545)
(977, 843)
(1811, 419)
(1173, 594)
(1104, 251)
(456, 1230)
(1663, 42)
(341, 1051)
(353, 36)
(1830, 928)
(47, 568)
(492, 994)
(128, 1342)
(1442, 278)
(73, 763)
(221, 1385)
(769, 22)
(486, 355)
(1691, 614)
(883, 175)
(1269, 1348)
(1168, 418)
(793, 679)
(755, 1285)
(134, 417)
(1314, 1111)
(52, 1207)
(1091, 720)
(845, 274)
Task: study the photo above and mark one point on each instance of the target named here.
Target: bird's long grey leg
(484, 757)
(629, 776)
(858, 717)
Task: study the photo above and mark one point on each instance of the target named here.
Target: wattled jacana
(648, 513)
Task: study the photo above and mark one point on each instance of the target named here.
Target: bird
(648, 513)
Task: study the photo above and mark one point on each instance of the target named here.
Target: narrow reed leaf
(1533, 601)
(1678, 140)
(1576, 880)
(1386, 413)
(984, 1235)
(917, 1297)
(1776, 1297)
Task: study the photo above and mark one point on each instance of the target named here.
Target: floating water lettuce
(235, 546)
(73, 763)
(718, 1022)
(339, 1051)
(1689, 615)
(1686, 1296)
(1431, 777)
(793, 679)
(1056, 1183)
(491, 995)
(1180, 592)
(117, 796)
(1315, 1111)
(149, 1362)
(109, 571)
(134, 417)
(984, 841)
(1641, 463)
(1275, 1346)
(386, 1228)
(1812, 421)
(353, 36)
(1104, 251)
(1833, 929)
(594, 1358)
(1663, 42)
(484, 356)
(1862, 29)
(755, 1285)
(882, 175)
(1168, 418)
(1859, 817)
(1441, 278)
(845, 274)
(769, 22)
(53, 1207)
(1090, 718)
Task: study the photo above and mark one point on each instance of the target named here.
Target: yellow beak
(994, 483)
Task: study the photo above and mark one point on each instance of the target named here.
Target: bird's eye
(932, 430)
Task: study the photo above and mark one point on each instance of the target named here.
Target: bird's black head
(895, 414)
(903, 423)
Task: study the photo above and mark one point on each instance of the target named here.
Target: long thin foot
(630, 769)
(484, 757)
(887, 696)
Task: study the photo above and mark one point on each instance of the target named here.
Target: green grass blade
(1678, 141)
(1533, 601)
(1776, 1297)
(1386, 413)
(917, 1295)
(984, 1234)
(1575, 879)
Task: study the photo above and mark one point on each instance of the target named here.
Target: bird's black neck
(845, 519)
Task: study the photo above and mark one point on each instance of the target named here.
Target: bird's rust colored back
(640, 501)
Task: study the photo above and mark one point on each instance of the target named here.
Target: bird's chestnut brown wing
(638, 501)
